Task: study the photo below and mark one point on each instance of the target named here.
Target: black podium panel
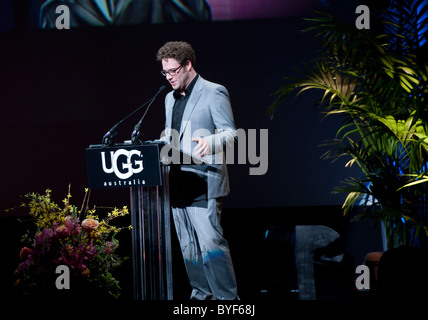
(123, 166)
(138, 168)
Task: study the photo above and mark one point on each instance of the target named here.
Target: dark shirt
(187, 188)
(180, 104)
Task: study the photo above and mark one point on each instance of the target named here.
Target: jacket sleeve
(222, 115)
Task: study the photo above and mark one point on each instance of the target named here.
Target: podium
(138, 167)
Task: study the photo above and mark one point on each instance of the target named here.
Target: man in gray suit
(199, 121)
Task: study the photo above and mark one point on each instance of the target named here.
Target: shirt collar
(188, 90)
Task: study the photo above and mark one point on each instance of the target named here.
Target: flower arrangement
(75, 238)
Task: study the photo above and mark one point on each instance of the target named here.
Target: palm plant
(376, 81)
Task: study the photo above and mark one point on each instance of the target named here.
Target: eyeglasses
(171, 72)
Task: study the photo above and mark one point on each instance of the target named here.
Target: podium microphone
(136, 132)
(107, 138)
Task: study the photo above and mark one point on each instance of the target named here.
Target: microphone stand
(136, 133)
(108, 137)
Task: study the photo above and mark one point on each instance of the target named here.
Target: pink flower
(72, 225)
(76, 256)
(23, 254)
(85, 271)
(62, 231)
(70, 256)
(109, 247)
(68, 248)
(89, 224)
(69, 222)
(44, 237)
(87, 251)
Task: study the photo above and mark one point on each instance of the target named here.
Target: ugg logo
(123, 163)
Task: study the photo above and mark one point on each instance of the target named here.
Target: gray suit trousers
(205, 252)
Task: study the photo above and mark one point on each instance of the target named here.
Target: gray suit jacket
(207, 114)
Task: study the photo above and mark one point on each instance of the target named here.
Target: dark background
(61, 90)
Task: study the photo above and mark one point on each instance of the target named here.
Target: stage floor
(264, 267)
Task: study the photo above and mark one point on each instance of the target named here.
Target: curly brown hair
(178, 50)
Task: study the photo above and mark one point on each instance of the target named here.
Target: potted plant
(376, 82)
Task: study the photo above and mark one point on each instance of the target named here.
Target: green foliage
(376, 82)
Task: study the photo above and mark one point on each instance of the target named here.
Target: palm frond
(377, 82)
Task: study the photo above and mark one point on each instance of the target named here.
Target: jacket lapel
(190, 106)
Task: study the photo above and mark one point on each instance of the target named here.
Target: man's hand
(202, 148)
